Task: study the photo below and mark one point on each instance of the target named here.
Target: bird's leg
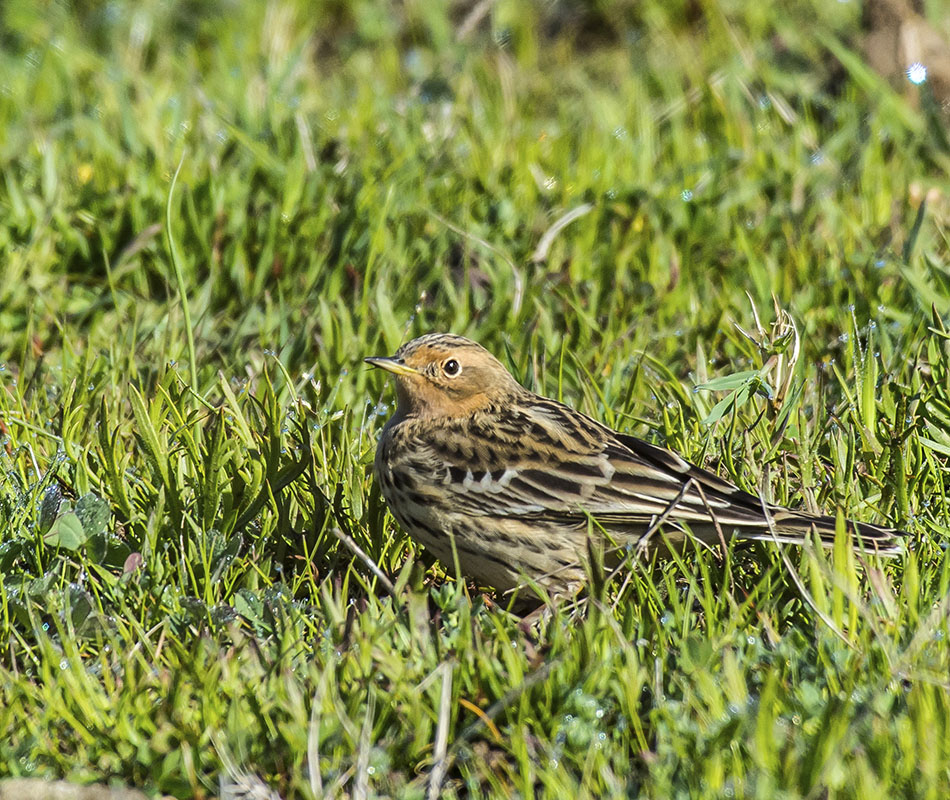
(541, 613)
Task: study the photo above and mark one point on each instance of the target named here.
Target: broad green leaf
(67, 532)
(49, 507)
(93, 513)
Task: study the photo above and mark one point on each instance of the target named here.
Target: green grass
(174, 595)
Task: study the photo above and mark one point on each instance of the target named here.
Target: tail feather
(731, 508)
(792, 527)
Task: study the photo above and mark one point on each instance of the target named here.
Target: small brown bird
(507, 487)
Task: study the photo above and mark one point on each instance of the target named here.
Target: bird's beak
(394, 365)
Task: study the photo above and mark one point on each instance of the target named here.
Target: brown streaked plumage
(509, 485)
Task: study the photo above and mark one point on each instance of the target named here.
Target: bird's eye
(451, 367)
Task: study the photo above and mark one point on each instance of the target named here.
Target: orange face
(441, 375)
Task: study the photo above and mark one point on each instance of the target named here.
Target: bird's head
(443, 375)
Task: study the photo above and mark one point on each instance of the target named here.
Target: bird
(511, 489)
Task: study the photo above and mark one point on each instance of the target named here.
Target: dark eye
(451, 367)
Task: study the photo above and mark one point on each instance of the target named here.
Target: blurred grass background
(186, 426)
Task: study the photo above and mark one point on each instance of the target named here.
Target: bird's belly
(493, 550)
(431, 523)
(416, 505)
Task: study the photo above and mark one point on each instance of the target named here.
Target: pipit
(510, 488)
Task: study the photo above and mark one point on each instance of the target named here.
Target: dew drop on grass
(687, 195)
(917, 73)
(64, 664)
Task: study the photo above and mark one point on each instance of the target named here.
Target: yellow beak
(394, 365)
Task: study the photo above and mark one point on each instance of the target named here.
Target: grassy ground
(186, 427)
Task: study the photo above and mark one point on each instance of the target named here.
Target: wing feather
(567, 467)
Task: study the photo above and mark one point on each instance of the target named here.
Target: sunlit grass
(175, 596)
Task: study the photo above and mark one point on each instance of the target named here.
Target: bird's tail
(792, 527)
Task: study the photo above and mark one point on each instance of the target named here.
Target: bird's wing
(546, 458)
(543, 459)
